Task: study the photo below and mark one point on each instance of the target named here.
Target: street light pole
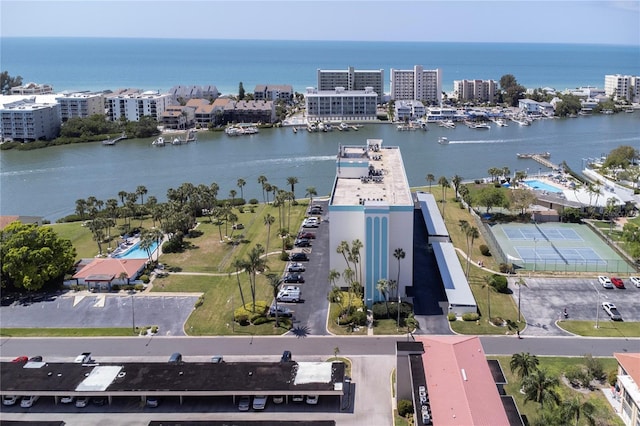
(597, 305)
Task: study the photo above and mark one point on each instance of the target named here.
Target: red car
(617, 282)
(21, 359)
(307, 235)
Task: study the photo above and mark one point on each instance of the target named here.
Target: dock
(114, 141)
(545, 161)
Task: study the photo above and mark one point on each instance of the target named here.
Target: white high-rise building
(341, 105)
(352, 79)
(133, 104)
(475, 90)
(80, 104)
(620, 87)
(28, 120)
(371, 203)
(417, 84)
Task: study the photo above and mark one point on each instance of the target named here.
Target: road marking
(99, 302)
(77, 299)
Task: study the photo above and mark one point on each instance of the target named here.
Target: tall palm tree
(275, 281)
(122, 195)
(430, 179)
(524, 364)
(233, 194)
(255, 263)
(456, 181)
(383, 287)
(333, 277)
(239, 265)
(539, 386)
(344, 250)
(241, 183)
(262, 180)
(81, 208)
(573, 408)
(472, 233)
(445, 184)
(489, 281)
(311, 192)
(141, 191)
(399, 254)
(292, 180)
(268, 221)
(356, 246)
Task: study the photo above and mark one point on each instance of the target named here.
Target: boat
(607, 111)
(406, 127)
(158, 142)
(321, 127)
(448, 124)
(233, 131)
(629, 110)
(501, 123)
(240, 129)
(176, 141)
(295, 129)
(343, 126)
(531, 155)
(477, 125)
(443, 140)
(311, 128)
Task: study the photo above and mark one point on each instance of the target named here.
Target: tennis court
(557, 247)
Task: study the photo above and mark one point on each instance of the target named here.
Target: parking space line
(77, 299)
(99, 301)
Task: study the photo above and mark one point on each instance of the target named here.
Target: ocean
(159, 64)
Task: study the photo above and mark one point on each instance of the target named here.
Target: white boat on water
(344, 126)
(158, 142)
(448, 124)
(311, 128)
(443, 140)
(328, 127)
(501, 123)
(477, 125)
(239, 130)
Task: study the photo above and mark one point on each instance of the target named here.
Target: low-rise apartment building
(134, 103)
(178, 117)
(80, 104)
(273, 92)
(475, 90)
(185, 93)
(249, 111)
(341, 105)
(408, 110)
(32, 89)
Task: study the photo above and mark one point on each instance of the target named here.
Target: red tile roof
(460, 385)
(111, 266)
(631, 364)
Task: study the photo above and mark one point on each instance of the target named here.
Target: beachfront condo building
(418, 83)
(273, 92)
(352, 79)
(134, 103)
(80, 104)
(622, 87)
(372, 212)
(30, 119)
(475, 90)
(32, 89)
(340, 104)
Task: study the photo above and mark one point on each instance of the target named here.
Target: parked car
(296, 267)
(238, 226)
(293, 277)
(10, 399)
(175, 358)
(312, 399)
(278, 399)
(217, 359)
(21, 359)
(28, 401)
(306, 234)
(611, 309)
(314, 210)
(84, 358)
(298, 257)
(635, 281)
(283, 311)
(67, 399)
(605, 281)
(152, 402)
(310, 222)
(244, 403)
(99, 401)
(37, 358)
(259, 402)
(316, 207)
(82, 401)
(302, 242)
(286, 356)
(617, 282)
(297, 398)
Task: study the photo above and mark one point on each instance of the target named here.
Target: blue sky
(539, 21)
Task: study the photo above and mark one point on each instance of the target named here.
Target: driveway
(544, 300)
(91, 310)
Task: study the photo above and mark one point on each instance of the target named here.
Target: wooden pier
(545, 161)
(114, 141)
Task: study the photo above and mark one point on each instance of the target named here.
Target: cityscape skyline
(570, 21)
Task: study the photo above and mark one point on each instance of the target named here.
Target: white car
(605, 281)
(259, 402)
(67, 399)
(312, 399)
(82, 401)
(28, 401)
(611, 309)
(10, 399)
(635, 281)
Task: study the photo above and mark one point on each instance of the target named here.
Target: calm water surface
(47, 182)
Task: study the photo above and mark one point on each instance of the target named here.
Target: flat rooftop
(370, 174)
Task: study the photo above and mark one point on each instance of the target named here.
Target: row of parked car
(260, 401)
(609, 283)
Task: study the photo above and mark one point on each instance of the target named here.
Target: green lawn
(80, 236)
(606, 328)
(556, 366)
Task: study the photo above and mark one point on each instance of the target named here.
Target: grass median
(606, 328)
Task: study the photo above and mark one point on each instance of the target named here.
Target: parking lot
(544, 299)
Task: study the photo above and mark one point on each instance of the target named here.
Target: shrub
(477, 181)
(144, 278)
(154, 329)
(499, 283)
(254, 201)
(334, 295)
(199, 302)
(612, 377)
(505, 267)
(497, 321)
(359, 318)
(260, 320)
(242, 319)
(172, 246)
(484, 250)
(115, 287)
(380, 311)
(284, 256)
(594, 367)
(405, 408)
(470, 316)
(138, 287)
(451, 316)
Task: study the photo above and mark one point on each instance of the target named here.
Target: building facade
(249, 111)
(133, 104)
(80, 104)
(273, 92)
(418, 83)
(352, 80)
(627, 388)
(341, 105)
(27, 120)
(371, 206)
(408, 110)
(185, 93)
(475, 90)
(622, 87)
(32, 89)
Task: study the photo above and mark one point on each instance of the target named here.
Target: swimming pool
(541, 186)
(137, 253)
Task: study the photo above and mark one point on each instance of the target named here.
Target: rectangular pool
(541, 186)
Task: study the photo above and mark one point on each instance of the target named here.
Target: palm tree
(572, 408)
(343, 249)
(520, 283)
(81, 207)
(311, 192)
(445, 184)
(267, 188)
(274, 282)
(233, 194)
(383, 287)
(489, 280)
(333, 277)
(539, 387)
(524, 364)
(122, 195)
(262, 180)
(239, 265)
(268, 221)
(399, 254)
(472, 233)
(456, 181)
(430, 178)
(356, 246)
(141, 191)
(255, 264)
(241, 183)
(292, 180)
(147, 240)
